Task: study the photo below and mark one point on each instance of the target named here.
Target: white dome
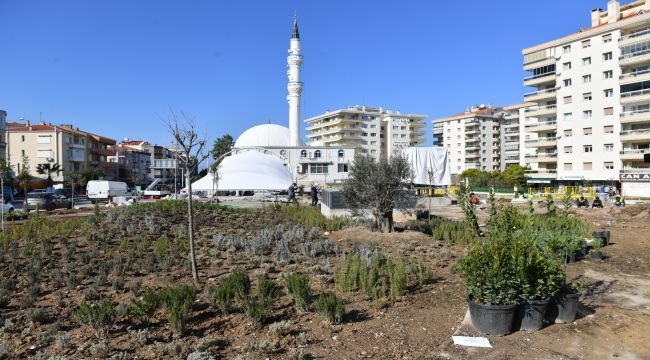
(317, 143)
(264, 136)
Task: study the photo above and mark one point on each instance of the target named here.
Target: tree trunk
(386, 222)
(190, 225)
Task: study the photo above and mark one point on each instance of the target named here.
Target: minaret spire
(294, 86)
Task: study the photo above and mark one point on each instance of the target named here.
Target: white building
(591, 117)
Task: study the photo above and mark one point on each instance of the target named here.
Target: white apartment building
(473, 138)
(374, 131)
(591, 93)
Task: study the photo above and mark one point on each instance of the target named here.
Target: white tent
(249, 170)
(430, 165)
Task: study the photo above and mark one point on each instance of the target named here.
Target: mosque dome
(265, 135)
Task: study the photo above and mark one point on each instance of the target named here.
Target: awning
(538, 181)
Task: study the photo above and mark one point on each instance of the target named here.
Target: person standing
(291, 192)
(314, 195)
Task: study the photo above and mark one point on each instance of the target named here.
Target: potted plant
(564, 305)
(570, 247)
(595, 252)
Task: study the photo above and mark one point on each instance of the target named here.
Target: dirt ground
(613, 320)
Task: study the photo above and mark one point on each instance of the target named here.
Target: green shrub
(223, 295)
(298, 288)
(38, 315)
(146, 306)
(241, 283)
(100, 316)
(397, 278)
(257, 306)
(330, 307)
(177, 302)
(423, 274)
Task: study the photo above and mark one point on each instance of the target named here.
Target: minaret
(294, 86)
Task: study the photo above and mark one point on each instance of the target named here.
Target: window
(608, 165)
(22, 138)
(586, 114)
(608, 92)
(586, 61)
(608, 74)
(341, 153)
(586, 43)
(607, 38)
(586, 79)
(608, 129)
(586, 96)
(586, 166)
(43, 139)
(343, 168)
(608, 111)
(373, 134)
(303, 153)
(568, 166)
(587, 148)
(566, 49)
(568, 133)
(318, 168)
(568, 149)
(608, 147)
(567, 82)
(566, 66)
(567, 99)
(607, 56)
(586, 131)
(317, 153)
(568, 116)
(44, 153)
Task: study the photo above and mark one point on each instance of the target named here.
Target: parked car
(6, 207)
(47, 201)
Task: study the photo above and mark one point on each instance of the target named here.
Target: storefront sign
(635, 177)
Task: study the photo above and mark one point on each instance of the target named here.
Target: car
(47, 201)
(6, 207)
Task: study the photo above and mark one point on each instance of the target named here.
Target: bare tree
(379, 186)
(192, 152)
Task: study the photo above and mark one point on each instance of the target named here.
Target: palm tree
(48, 168)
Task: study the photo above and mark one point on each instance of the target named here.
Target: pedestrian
(474, 199)
(597, 203)
(291, 192)
(619, 201)
(582, 201)
(314, 194)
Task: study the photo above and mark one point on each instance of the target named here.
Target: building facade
(3, 135)
(373, 131)
(591, 92)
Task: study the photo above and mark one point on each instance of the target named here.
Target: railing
(635, 171)
(633, 54)
(634, 74)
(634, 151)
(540, 108)
(512, 157)
(635, 132)
(635, 34)
(546, 91)
(633, 113)
(541, 171)
(547, 138)
(540, 124)
(539, 76)
(541, 155)
(635, 93)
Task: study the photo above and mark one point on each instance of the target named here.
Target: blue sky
(117, 68)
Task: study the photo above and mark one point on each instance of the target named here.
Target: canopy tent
(430, 165)
(249, 170)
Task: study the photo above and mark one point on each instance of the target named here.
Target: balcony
(635, 135)
(542, 126)
(631, 117)
(634, 76)
(471, 131)
(541, 95)
(471, 147)
(542, 173)
(633, 154)
(541, 142)
(633, 58)
(635, 170)
(472, 165)
(634, 37)
(472, 155)
(473, 122)
(536, 111)
(541, 79)
(635, 96)
(542, 157)
(514, 147)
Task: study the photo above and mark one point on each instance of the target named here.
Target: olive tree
(190, 153)
(379, 186)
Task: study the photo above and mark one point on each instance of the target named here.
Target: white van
(104, 190)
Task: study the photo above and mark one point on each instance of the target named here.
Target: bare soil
(613, 321)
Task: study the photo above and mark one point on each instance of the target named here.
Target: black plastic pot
(530, 316)
(570, 258)
(603, 235)
(596, 255)
(562, 308)
(492, 319)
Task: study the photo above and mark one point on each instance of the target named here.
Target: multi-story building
(3, 135)
(512, 140)
(73, 149)
(591, 117)
(130, 165)
(374, 131)
(472, 138)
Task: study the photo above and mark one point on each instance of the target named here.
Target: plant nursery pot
(603, 235)
(571, 258)
(492, 319)
(596, 255)
(562, 308)
(530, 315)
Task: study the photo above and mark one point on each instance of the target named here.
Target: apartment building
(162, 162)
(374, 131)
(73, 149)
(3, 135)
(472, 138)
(591, 93)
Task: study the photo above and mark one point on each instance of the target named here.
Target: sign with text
(632, 177)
